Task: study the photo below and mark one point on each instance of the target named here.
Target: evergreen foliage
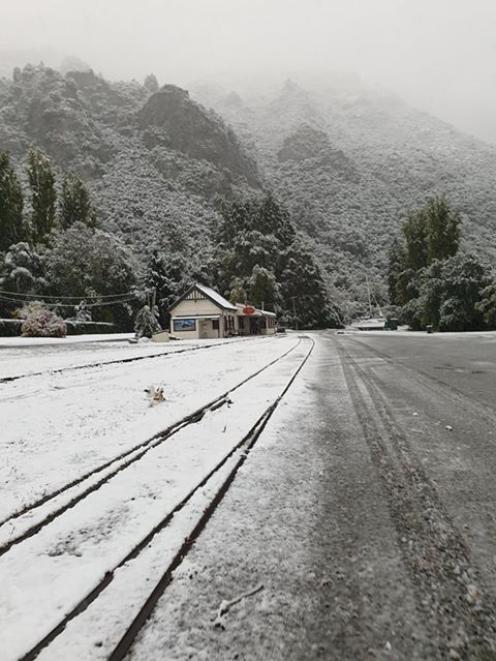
(263, 288)
(83, 261)
(442, 229)
(22, 270)
(167, 275)
(432, 281)
(487, 304)
(43, 195)
(260, 256)
(12, 228)
(75, 205)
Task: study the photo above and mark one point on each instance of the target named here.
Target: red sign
(248, 309)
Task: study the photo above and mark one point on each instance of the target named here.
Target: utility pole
(293, 298)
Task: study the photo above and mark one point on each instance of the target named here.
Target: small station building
(201, 312)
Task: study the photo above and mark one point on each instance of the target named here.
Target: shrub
(40, 322)
(10, 327)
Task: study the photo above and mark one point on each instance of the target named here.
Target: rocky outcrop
(184, 125)
(313, 147)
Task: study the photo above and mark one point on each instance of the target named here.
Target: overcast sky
(440, 55)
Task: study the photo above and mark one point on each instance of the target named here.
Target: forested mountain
(153, 159)
(347, 161)
(350, 162)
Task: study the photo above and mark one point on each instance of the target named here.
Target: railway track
(120, 361)
(217, 481)
(78, 489)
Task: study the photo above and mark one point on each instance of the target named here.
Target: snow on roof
(215, 297)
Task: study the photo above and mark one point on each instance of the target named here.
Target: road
(366, 512)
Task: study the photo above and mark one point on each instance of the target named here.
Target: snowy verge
(49, 574)
(56, 427)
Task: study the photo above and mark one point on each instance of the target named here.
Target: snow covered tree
(151, 83)
(75, 205)
(237, 292)
(12, 227)
(304, 296)
(43, 196)
(83, 260)
(146, 323)
(168, 275)
(452, 293)
(487, 304)
(22, 270)
(263, 288)
(258, 251)
(443, 229)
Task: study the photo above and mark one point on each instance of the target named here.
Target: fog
(437, 54)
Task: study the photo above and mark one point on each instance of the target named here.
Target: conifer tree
(12, 228)
(167, 276)
(258, 251)
(43, 195)
(75, 204)
(443, 229)
(305, 300)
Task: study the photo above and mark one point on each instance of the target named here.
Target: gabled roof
(209, 293)
(216, 297)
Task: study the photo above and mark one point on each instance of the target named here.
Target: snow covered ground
(36, 355)
(59, 342)
(60, 426)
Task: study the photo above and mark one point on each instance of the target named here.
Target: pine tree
(12, 228)
(305, 300)
(168, 277)
(43, 196)
(75, 204)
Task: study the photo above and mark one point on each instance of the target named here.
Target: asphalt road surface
(367, 513)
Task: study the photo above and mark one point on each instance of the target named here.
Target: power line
(54, 304)
(78, 298)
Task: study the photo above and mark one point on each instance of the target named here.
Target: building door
(203, 328)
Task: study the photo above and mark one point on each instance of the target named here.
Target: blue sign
(184, 325)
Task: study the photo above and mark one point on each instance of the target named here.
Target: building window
(184, 325)
(215, 324)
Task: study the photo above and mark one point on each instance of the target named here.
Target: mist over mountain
(348, 161)
(351, 161)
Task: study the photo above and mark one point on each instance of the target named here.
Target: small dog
(156, 394)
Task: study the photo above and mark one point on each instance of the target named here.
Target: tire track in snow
(478, 409)
(460, 618)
